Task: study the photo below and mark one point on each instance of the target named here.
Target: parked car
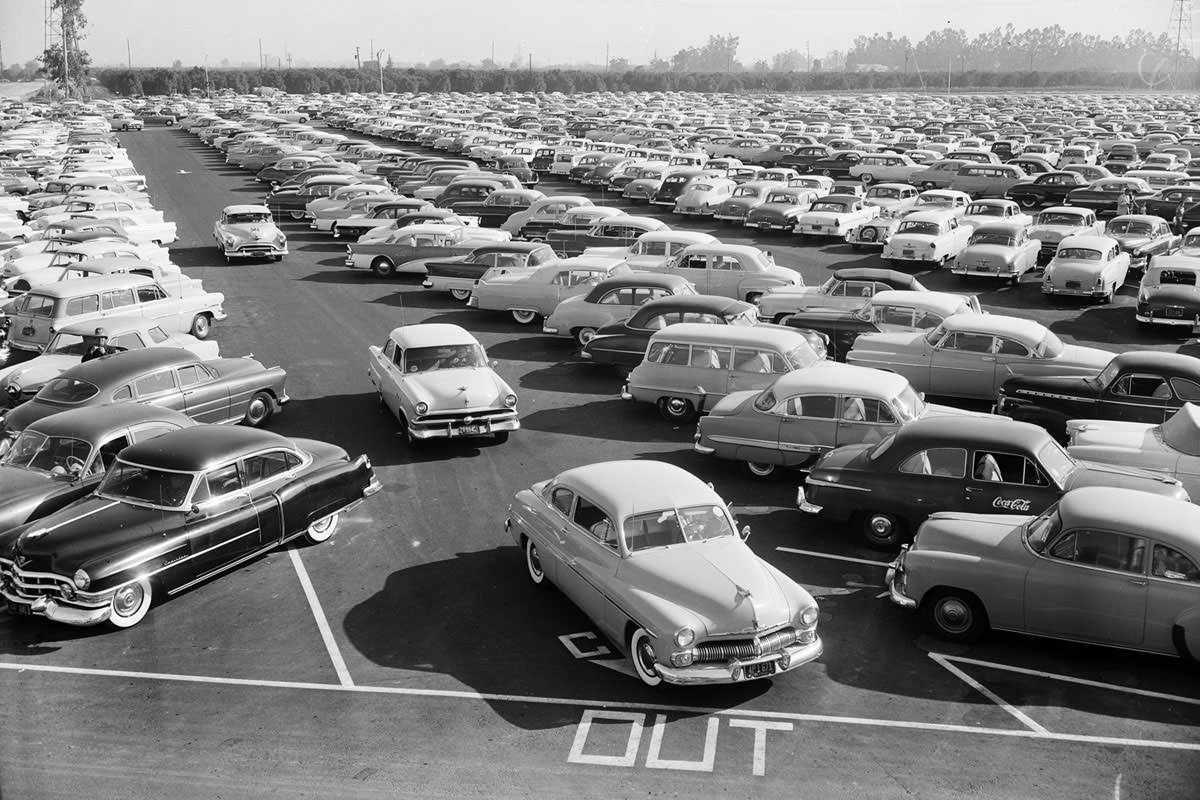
(978, 464)
(701, 198)
(1113, 567)
(872, 233)
(971, 355)
(407, 249)
(1049, 188)
(998, 250)
(535, 293)
(20, 382)
(610, 301)
(927, 237)
(985, 212)
(60, 458)
(574, 218)
(654, 249)
(623, 344)
(942, 200)
(689, 367)
(246, 231)
(744, 199)
(437, 380)
(1087, 266)
(542, 215)
(847, 289)
(806, 413)
(834, 215)
(382, 215)
(1166, 203)
(645, 549)
(835, 165)
(1169, 293)
(1056, 223)
(740, 271)
(173, 511)
(1170, 448)
(886, 311)
(1143, 237)
(875, 168)
(1135, 386)
(220, 390)
(618, 231)
(1102, 195)
(938, 175)
(781, 208)
(987, 180)
(892, 199)
(459, 275)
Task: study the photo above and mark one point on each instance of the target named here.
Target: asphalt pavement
(409, 656)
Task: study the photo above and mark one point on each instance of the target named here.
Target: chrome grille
(742, 649)
(466, 417)
(38, 584)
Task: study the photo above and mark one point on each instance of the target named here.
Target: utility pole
(607, 60)
(207, 82)
(357, 60)
(66, 56)
(531, 63)
(1181, 22)
(128, 55)
(907, 53)
(379, 61)
(261, 63)
(493, 58)
(949, 67)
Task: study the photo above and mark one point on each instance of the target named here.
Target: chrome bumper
(803, 504)
(451, 430)
(735, 671)
(895, 571)
(54, 610)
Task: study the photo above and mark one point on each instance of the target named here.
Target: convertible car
(653, 556)
(172, 512)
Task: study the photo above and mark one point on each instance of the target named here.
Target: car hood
(457, 389)
(1131, 241)
(259, 231)
(1045, 233)
(721, 581)
(1096, 474)
(37, 370)
(1134, 444)
(18, 485)
(92, 534)
(966, 534)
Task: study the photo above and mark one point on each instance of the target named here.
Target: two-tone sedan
(649, 552)
(848, 288)
(1056, 223)
(221, 390)
(1136, 386)
(245, 231)
(781, 207)
(978, 464)
(623, 344)
(971, 355)
(806, 413)
(619, 231)
(459, 275)
(407, 250)
(612, 300)
(437, 380)
(1143, 237)
(834, 215)
(530, 294)
(1104, 566)
(1103, 195)
(172, 512)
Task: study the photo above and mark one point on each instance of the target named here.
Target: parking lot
(409, 656)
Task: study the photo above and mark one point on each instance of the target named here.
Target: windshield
(784, 197)
(428, 359)
(908, 404)
(676, 526)
(1059, 219)
(801, 356)
(145, 485)
(36, 451)
(1049, 347)
(67, 390)
(994, 238)
(1125, 226)
(1057, 462)
(883, 192)
(747, 317)
(246, 219)
(746, 192)
(1042, 528)
(66, 344)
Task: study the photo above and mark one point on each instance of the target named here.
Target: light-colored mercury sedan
(653, 556)
(1108, 566)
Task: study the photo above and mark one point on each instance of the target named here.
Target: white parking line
(335, 655)
(1020, 715)
(935, 727)
(1174, 698)
(852, 560)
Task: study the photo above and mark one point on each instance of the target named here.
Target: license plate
(760, 670)
(908, 253)
(816, 228)
(27, 330)
(469, 430)
(19, 609)
(1174, 311)
(764, 225)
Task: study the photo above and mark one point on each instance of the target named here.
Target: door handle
(988, 358)
(922, 501)
(1137, 581)
(973, 489)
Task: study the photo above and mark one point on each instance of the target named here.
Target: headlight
(81, 579)
(684, 636)
(510, 400)
(422, 408)
(808, 617)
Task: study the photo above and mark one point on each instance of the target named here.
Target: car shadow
(1107, 324)
(197, 256)
(638, 422)
(377, 433)
(415, 297)
(476, 643)
(546, 349)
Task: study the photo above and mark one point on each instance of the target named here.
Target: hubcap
(760, 469)
(645, 655)
(535, 562)
(676, 406)
(953, 615)
(881, 526)
(127, 600)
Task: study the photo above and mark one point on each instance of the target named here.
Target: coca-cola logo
(1015, 504)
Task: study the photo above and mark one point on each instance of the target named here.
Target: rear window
(67, 390)
(35, 305)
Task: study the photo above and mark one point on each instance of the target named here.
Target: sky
(326, 32)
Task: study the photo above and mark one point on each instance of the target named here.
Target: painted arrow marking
(184, 172)
(573, 642)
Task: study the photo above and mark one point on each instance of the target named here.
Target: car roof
(98, 420)
(996, 323)
(945, 302)
(119, 367)
(663, 280)
(112, 325)
(721, 247)
(875, 274)
(1160, 361)
(974, 431)
(1134, 512)
(930, 216)
(431, 334)
(697, 302)
(633, 487)
(729, 334)
(1091, 240)
(201, 447)
(1004, 228)
(510, 247)
(832, 377)
(97, 283)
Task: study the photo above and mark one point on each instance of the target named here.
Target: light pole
(379, 61)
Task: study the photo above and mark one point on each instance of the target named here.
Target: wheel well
(937, 591)
(1179, 639)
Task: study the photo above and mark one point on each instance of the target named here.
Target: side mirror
(745, 532)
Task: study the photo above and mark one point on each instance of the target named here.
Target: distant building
(870, 68)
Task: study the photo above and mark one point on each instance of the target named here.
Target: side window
(106, 455)
(1188, 391)
(89, 304)
(592, 519)
(965, 342)
(157, 335)
(150, 431)
(1006, 468)
(192, 374)
(816, 406)
(710, 357)
(127, 341)
(562, 499)
(119, 298)
(154, 383)
(124, 393)
(1171, 564)
(148, 294)
(866, 409)
(947, 462)
(389, 350)
(265, 466)
(660, 321)
(891, 315)
(1102, 549)
(748, 360)
(668, 353)
(1011, 347)
(1148, 386)
(224, 480)
(701, 316)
